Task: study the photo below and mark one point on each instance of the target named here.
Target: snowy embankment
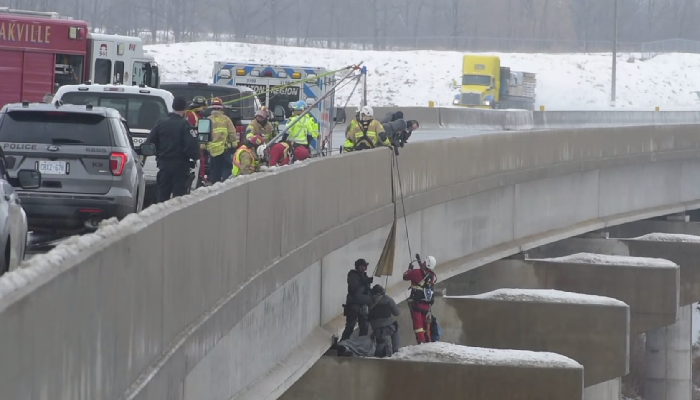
(413, 78)
(544, 296)
(591, 258)
(456, 354)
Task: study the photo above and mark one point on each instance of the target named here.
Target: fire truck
(282, 85)
(42, 51)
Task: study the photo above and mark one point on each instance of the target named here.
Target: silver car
(89, 167)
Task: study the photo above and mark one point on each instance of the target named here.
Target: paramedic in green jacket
(304, 131)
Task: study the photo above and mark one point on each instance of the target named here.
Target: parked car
(141, 106)
(89, 167)
(13, 220)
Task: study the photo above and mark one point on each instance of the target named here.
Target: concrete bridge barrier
(142, 310)
(485, 119)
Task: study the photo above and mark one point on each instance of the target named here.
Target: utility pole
(613, 91)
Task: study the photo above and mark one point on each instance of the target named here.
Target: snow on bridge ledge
(669, 237)
(591, 258)
(455, 354)
(544, 296)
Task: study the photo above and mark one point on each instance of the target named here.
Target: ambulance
(283, 85)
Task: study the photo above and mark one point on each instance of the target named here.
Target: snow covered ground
(545, 296)
(452, 353)
(591, 258)
(413, 78)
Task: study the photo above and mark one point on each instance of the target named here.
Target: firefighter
(367, 134)
(193, 115)
(304, 130)
(353, 122)
(421, 298)
(245, 161)
(261, 125)
(224, 138)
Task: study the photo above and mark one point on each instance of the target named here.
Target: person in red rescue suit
(280, 152)
(193, 115)
(422, 281)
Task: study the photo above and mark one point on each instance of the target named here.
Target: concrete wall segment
(206, 291)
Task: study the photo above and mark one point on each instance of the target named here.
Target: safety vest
(194, 114)
(219, 136)
(237, 160)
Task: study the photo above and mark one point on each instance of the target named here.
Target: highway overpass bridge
(235, 291)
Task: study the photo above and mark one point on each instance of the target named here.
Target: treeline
(494, 25)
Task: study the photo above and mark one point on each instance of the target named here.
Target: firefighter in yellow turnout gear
(245, 161)
(368, 133)
(304, 130)
(261, 125)
(224, 139)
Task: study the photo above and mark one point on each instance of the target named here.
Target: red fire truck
(41, 51)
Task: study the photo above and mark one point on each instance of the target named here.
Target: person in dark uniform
(358, 300)
(176, 149)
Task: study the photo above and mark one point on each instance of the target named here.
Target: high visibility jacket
(357, 136)
(243, 161)
(224, 134)
(299, 131)
(351, 125)
(256, 128)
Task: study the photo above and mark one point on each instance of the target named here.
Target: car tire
(139, 204)
(5, 260)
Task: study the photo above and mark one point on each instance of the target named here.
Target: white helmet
(261, 150)
(367, 111)
(430, 262)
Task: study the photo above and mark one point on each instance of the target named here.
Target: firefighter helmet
(256, 140)
(217, 103)
(430, 262)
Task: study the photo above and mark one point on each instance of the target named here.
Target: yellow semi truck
(485, 84)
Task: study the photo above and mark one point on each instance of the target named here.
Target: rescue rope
(403, 205)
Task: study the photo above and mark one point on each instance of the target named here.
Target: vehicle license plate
(52, 167)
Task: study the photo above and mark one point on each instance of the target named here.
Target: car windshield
(140, 111)
(55, 127)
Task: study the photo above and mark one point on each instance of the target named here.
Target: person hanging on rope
(367, 134)
(420, 300)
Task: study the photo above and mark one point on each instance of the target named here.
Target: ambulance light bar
(224, 74)
(240, 72)
(310, 75)
(254, 73)
(281, 74)
(296, 75)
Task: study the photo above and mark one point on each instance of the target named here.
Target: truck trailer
(486, 84)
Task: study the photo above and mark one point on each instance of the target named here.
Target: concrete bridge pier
(669, 360)
(669, 348)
